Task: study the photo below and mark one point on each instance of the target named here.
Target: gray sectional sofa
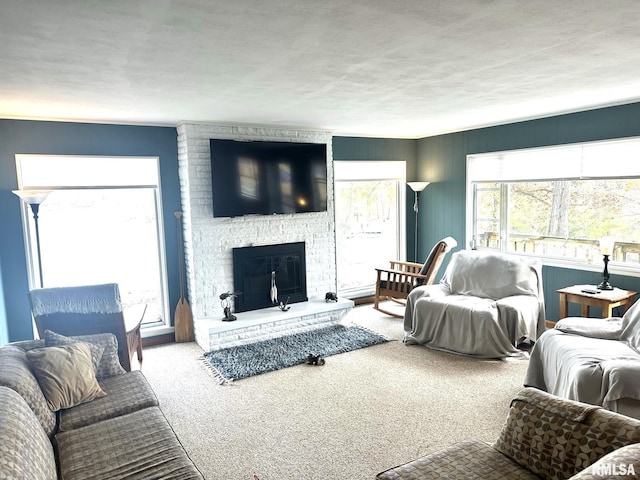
(68, 410)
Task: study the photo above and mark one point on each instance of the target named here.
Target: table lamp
(606, 248)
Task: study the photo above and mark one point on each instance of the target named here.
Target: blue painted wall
(373, 149)
(4, 332)
(442, 159)
(18, 136)
(439, 159)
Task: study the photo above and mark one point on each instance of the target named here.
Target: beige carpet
(362, 412)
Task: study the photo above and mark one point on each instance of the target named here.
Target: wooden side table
(607, 300)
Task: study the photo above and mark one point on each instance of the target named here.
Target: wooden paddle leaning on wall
(183, 319)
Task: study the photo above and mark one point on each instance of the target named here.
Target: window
(370, 223)
(558, 202)
(100, 224)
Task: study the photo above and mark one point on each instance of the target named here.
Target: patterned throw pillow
(66, 375)
(109, 364)
(96, 352)
(621, 463)
(556, 438)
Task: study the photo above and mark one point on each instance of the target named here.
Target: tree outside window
(558, 202)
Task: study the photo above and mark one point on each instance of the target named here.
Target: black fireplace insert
(254, 268)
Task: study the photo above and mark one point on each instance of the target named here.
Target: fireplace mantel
(266, 323)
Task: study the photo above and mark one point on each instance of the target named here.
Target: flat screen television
(265, 178)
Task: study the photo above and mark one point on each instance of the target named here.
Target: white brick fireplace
(209, 241)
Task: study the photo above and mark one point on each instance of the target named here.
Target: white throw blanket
(586, 369)
(485, 304)
(104, 298)
(605, 328)
(589, 360)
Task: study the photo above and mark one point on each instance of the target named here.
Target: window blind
(68, 171)
(369, 170)
(593, 160)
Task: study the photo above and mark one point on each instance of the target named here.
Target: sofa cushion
(464, 460)
(621, 463)
(16, 374)
(556, 438)
(603, 328)
(29, 344)
(66, 374)
(125, 394)
(139, 445)
(25, 448)
(110, 362)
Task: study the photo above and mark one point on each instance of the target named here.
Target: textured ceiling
(408, 68)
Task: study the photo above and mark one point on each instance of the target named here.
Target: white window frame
(372, 170)
(34, 172)
(607, 159)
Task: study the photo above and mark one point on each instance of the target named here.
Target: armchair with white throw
(486, 304)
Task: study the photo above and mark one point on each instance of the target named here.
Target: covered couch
(486, 304)
(68, 410)
(591, 360)
(543, 437)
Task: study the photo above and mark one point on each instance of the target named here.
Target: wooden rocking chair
(400, 278)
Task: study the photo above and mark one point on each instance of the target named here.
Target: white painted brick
(209, 241)
(269, 323)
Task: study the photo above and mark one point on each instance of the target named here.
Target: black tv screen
(264, 178)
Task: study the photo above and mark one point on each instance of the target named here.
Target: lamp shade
(417, 186)
(606, 245)
(32, 197)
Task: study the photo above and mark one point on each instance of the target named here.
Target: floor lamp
(417, 187)
(34, 198)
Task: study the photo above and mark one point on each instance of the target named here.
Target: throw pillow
(65, 374)
(109, 364)
(96, 350)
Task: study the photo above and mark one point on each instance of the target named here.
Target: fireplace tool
(274, 289)
(274, 295)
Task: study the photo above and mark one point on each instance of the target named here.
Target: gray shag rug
(234, 363)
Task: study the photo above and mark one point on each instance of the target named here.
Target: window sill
(156, 331)
(358, 292)
(614, 268)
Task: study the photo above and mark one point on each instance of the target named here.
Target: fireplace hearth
(255, 269)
